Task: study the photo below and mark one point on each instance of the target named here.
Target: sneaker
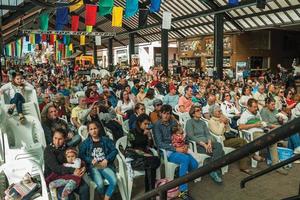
(215, 177)
(282, 171)
(10, 111)
(22, 118)
(184, 196)
(297, 150)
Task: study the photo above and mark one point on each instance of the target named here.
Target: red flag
(90, 14)
(44, 38)
(60, 46)
(75, 23)
(52, 39)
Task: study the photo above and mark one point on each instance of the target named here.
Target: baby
(69, 181)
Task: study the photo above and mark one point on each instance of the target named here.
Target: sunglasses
(197, 110)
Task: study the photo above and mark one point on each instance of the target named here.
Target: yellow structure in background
(84, 60)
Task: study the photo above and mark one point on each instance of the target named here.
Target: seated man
(162, 135)
(251, 121)
(76, 112)
(50, 121)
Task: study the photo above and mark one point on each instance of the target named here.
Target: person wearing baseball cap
(171, 98)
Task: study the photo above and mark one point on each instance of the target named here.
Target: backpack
(172, 193)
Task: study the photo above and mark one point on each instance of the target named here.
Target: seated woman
(230, 110)
(197, 131)
(219, 125)
(138, 110)
(125, 105)
(141, 141)
(99, 153)
(54, 155)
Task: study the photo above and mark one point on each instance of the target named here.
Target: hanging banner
(61, 17)
(76, 6)
(90, 15)
(132, 7)
(143, 17)
(98, 40)
(154, 6)
(117, 16)
(82, 40)
(105, 7)
(166, 22)
(44, 20)
(74, 22)
(69, 33)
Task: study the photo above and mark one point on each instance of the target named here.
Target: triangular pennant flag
(154, 6)
(117, 16)
(61, 17)
(44, 19)
(82, 40)
(98, 40)
(90, 14)
(167, 17)
(75, 22)
(143, 17)
(105, 7)
(233, 2)
(75, 6)
(89, 29)
(132, 7)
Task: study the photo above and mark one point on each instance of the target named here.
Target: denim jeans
(83, 191)
(76, 139)
(18, 100)
(99, 175)
(186, 164)
(294, 141)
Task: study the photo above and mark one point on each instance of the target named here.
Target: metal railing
(272, 137)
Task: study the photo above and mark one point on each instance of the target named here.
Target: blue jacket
(109, 149)
(162, 133)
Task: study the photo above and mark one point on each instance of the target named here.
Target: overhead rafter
(227, 17)
(8, 7)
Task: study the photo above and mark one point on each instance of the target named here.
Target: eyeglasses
(280, 91)
(197, 110)
(158, 104)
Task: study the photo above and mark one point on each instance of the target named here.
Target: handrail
(272, 137)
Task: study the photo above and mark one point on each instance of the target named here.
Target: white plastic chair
(16, 170)
(125, 126)
(82, 131)
(248, 136)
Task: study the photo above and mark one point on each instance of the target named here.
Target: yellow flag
(76, 6)
(117, 16)
(82, 40)
(89, 29)
(71, 47)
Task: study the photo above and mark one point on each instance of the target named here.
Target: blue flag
(132, 7)
(233, 2)
(37, 38)
(155, 6)
(61, 17)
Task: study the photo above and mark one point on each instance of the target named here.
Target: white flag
(98, 40)
(167, 20)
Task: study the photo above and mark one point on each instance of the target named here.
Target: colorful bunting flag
(29, 47)
(71, 47)
(37, 38)
(89, 29)
(44, 20)
(98, 40)
(117, 16)
(75, 22)
(82, 40)
(233, 2)
(61, 17)
(105, 7)
(131, 9)
(44, 37)
(167, 17)
(143, 17)
(19, 47)
(90, 14)
(27, 38)
(76, 6)
(32, 38)
(52, 39)
(154, 6)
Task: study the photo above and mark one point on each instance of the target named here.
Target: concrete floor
(272, 186)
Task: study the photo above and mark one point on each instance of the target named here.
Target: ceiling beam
(8, 7)
(221, 9)
(227, 17)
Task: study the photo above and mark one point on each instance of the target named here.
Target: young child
(178, 139)
(70, 182)
(15, 90)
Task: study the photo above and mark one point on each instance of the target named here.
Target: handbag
(138, 160)
(230, 135)
(172, 193)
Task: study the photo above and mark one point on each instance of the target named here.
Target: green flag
(105, 7)
(44, 19)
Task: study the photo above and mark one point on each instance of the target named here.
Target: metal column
(1, 48)
(218, 44)
(131, 48)
(164, 50)
(110, 54)
(95, 54)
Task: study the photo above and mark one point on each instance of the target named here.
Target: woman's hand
(181, 149)
(94, 161)
(79, 172)
(103, 164)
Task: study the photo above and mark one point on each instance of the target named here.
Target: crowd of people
(153, 105)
